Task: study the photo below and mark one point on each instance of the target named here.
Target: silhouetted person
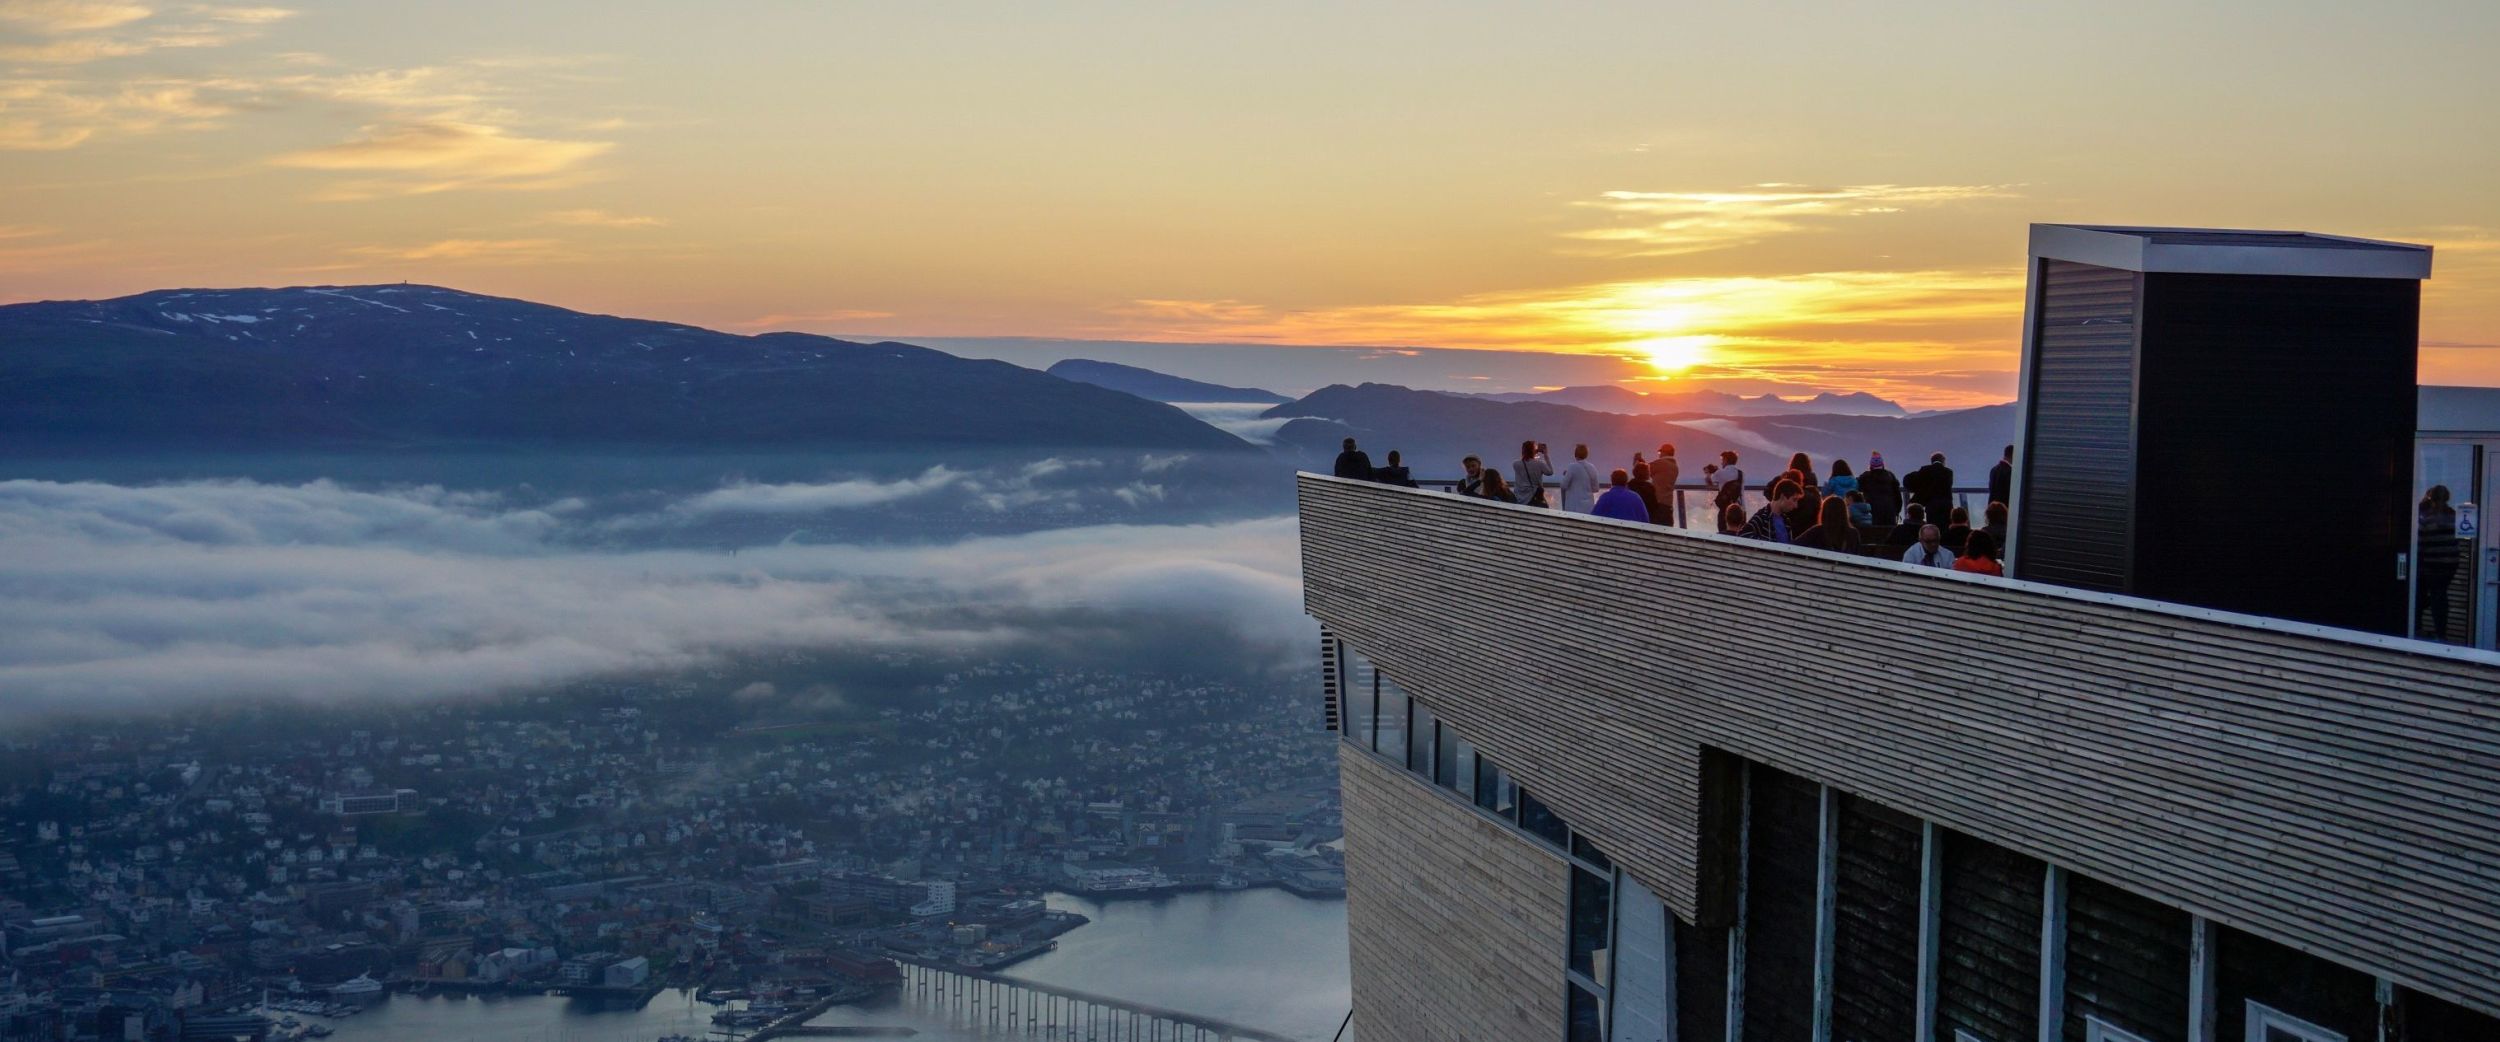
(1809, 507)
(2001, 479)
(1352, 463)
(1732, 519)
(1931, 486)
(1906, 532)
(1619, 501)
(2440, 553)
(1833, 531)
(1494, 489)
(1957, 529)
(1642, 486)
(1996, 528)
(1471, 482)
(1394, 473)
(1842, 482)
(1860, 514)
(1804, 466)
(1883, 490)
(1664, 471)
(1771, 522)
(1929, 551)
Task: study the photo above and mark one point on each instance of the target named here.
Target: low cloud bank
(120, 597)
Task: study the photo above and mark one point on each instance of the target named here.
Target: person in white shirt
(1580, 482)
(1929, 552)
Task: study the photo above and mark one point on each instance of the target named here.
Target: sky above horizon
(1774, 197)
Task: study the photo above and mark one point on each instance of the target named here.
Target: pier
(1049, 1012)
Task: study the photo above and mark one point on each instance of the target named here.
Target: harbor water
(1261, 958)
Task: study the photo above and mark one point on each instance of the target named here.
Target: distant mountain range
(409, 365)
(1155, 386)
(1434, 430)
(1616, 399)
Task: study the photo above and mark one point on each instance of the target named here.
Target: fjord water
(1261, 958)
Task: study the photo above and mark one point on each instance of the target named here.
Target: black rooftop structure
(2222, 418)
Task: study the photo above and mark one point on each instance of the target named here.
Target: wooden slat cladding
(1455, 923)
(1988, 941)
(1875, 910)
(2126, 963)
(2078, 469)
(1781, 856)
(2327, 792)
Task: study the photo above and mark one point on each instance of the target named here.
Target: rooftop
(2229, 251)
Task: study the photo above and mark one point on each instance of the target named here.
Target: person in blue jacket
(1619, 501)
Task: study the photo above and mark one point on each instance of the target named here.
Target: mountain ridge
(394, 365)
(1155, 385)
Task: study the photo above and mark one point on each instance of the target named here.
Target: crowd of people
(1873, 512)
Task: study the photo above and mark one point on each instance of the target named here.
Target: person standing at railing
(1619, 501)
(1642, 487)
(1883, 491)
(2001, 480)
(1804, 466)
(1931, 486)
(1579, 482)
(1664, 472)
(1771, 522)
(1394, 474)
(1842, 482)
(1473, 483)
(1728, 482)
(1528, 474)
(1353, 463)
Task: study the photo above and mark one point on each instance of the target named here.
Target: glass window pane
(1540, 822)
(1460, 766)
(1592, 912)
(1486, 774)
(1588, 1023)
(1587, 851)
(2444, 562)
(1362, 686)
(1390, 739)
(1420, 735)
(1445, 758)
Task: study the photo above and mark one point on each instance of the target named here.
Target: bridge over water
(1051, 1012)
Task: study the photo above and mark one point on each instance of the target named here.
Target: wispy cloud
(53, 114)
(429, 156)
(600, 219)
(242, 15)
(1663, 224)
(484, 251)
(69, 16)
(789, 320)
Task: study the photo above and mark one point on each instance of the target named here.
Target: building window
(1586, 851)
(1961, 1035)
(1542, 823)
(1458, 765)
(1390, 740)
(1592, 919)
(2097, 1030)
(1588, 1015)
(1362, 697)
(2267, 1024)
(1421, 734)
(1495, 791)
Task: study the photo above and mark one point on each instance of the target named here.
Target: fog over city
(150, 596)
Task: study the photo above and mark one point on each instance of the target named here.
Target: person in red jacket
(1979, 555)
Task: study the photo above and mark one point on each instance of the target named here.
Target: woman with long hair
(1842, 482)
(1528, 474)
(1804, 466)
(1494, 489)
(1833, 531)
(1979, 554)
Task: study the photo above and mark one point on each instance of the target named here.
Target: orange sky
(1800, 194)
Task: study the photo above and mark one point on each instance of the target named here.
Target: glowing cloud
(600, 219)
(432, 156)
(1663, 224)
(69, 16)
(490, 251)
